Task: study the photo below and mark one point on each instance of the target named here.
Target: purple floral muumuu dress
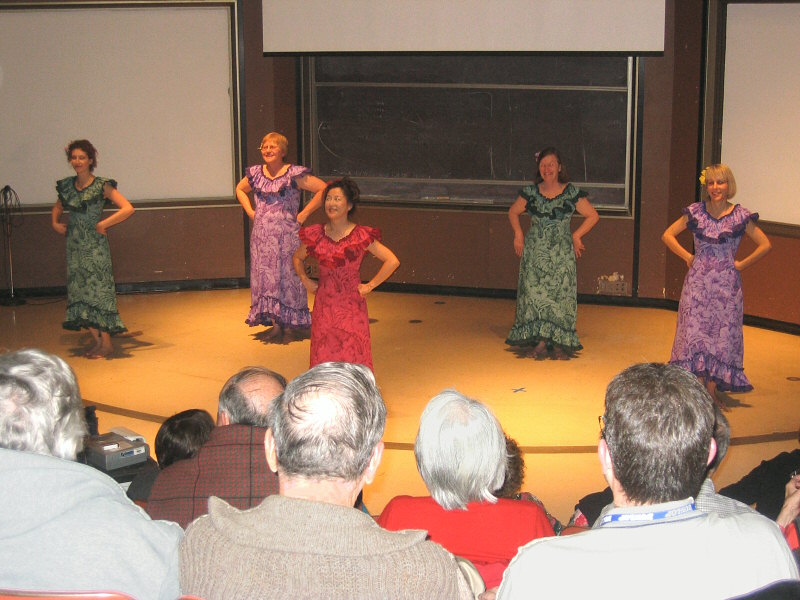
(276, 293)
(708, 337)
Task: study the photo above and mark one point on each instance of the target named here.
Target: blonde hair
(723, 172)
(279, 139)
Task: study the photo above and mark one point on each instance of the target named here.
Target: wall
(446, 247)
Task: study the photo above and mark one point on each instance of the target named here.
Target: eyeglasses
(602, 422)
(794, 474)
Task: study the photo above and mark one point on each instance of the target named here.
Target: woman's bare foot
(102, 344)
(539, 351)
(560, 354)
(274, 332)
(101, 353)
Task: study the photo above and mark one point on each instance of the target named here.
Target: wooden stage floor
(182, 346)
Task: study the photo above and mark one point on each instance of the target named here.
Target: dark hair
(659, 421)
(515, 471)
(563, 177)
(87, 147)
(328, 422)
(249, 408)
(349, 189)
(182, 435)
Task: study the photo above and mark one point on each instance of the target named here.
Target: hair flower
(702, 177)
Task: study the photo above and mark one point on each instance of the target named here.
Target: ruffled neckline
(260, 181)
(341, 239)
(337, 254)
(717, 230)
(556, 207)
(721, 217)
(74, 198)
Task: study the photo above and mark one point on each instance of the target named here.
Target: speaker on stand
(10, 213)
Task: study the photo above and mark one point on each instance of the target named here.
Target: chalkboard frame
(398, 188)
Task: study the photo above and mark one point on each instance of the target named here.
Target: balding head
(328, 422)
(245, 398)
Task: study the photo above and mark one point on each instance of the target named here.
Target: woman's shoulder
(522, 505)
(103, 181)
(297, 171)
(311, 234)
(743, 214)
(573, 192)
(402, 505)
(66, 188)
(365, 233)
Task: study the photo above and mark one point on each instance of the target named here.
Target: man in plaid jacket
(231, 464)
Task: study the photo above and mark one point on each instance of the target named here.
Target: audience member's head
(659, 423)
(181, 435)
(245, 398)
(515, 471)
(722, 438)
(40, 405)
(328, 424)
(460, 450)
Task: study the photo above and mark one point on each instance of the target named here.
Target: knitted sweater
(292, 548)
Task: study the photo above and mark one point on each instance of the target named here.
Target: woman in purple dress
(277, 297)
(708, 337)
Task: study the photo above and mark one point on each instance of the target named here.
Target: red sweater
(486, 534)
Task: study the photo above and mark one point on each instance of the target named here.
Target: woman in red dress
(339, 323)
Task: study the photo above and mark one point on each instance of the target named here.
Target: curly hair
(87, 147)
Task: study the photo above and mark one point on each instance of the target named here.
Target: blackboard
(465, 129)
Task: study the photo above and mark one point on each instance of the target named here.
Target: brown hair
(87, 147)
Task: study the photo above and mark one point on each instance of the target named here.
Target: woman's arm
(58, 210)
(516, 209)
(243, 190)
(670, 238)
(390, 264)
(297, 262)
(314, 185)
(124, 209)
(763, 246)
(586, 210)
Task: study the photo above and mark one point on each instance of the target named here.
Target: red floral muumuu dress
(339, 322)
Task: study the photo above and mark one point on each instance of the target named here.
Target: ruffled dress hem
(270, 311)
(82, 316)
(727, 377)
(530, 334)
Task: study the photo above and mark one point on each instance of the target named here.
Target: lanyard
(651, 516)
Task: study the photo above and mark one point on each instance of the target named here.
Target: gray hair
(250, 407)
(40, 405)
(460, 451)
(328, 422)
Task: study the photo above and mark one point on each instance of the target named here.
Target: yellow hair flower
(702, 177)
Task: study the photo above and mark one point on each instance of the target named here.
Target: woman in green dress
(91, 294)
(547, 303)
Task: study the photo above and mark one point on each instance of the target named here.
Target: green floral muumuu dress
(91, 294)
(547, 301)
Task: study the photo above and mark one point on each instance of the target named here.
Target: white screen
(628, 26)
(149, 87)
(761, 108)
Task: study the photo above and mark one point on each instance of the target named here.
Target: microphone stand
(9, 204)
